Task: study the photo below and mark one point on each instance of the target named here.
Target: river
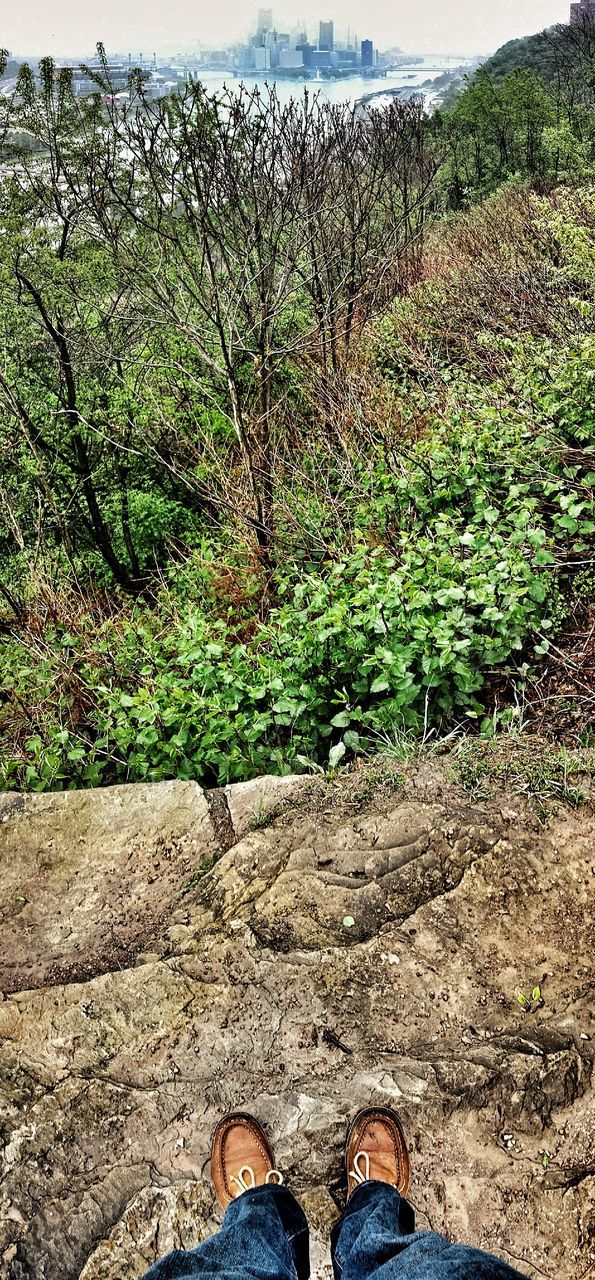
(349, 89)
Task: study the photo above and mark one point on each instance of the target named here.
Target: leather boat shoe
(376, 1151)
(241, 1158)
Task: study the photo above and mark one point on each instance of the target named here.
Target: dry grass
(496, 271)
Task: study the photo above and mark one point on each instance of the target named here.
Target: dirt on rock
(297, 949)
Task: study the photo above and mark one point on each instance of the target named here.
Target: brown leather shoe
(376, 1150)
(241, 1157)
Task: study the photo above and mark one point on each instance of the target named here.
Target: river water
(345, 90)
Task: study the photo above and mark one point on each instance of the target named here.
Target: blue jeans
(265, 1237)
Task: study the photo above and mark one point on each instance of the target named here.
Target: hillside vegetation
(297, 427)
(551, 53)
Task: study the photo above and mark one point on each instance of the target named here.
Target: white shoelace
(243, 1185)
(356, 1172)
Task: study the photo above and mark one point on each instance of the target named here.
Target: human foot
(375, 1150)
(241, 1158)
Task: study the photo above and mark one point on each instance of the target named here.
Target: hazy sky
(72, 27)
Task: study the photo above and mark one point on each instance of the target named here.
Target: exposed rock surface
(86, 876)
(251, 804)
(327, 960)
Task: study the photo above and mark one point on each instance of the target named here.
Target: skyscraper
(325, 37)
(367, 50)
(265, 21)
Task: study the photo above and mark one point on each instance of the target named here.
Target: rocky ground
(298, 949)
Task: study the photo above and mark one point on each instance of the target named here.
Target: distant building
(219, 58)
(244, 57)
(117, 73)
(262, 59)
(344, 58)
(275, 42)
(306, 50)
(265, 20)
(582, 11)
(326, 37)
(290, 59)
(320, 58)
(367, 52)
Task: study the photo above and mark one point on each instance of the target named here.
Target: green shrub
(402, 636)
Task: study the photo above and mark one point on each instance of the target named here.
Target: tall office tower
(367, 49)
(265, 20)
(325, 37)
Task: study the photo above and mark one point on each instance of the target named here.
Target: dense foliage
(544, 53)
(296, 459)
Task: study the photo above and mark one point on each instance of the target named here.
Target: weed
(263, 816)
(202, 870)
(524, 766)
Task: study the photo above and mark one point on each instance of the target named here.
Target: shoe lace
(356, 1172)
(243, 1184)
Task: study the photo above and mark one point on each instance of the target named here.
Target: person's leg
(264, 1235)
(376, 1240)
(376, 1237)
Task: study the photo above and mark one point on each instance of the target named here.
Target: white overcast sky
(72, 27)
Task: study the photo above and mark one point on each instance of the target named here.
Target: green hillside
(298, 462)
(534, 53)
(551, 53)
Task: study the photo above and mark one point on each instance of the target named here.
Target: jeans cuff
(369, 1191)
(273, 1190)
(273, 1193)
(372, 1194)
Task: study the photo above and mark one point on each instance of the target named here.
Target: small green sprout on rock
(530, 1004)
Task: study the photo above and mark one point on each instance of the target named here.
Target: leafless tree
(264, 234)
(370, 176)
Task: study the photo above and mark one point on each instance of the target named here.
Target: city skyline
(439, 26)
(296, 53)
